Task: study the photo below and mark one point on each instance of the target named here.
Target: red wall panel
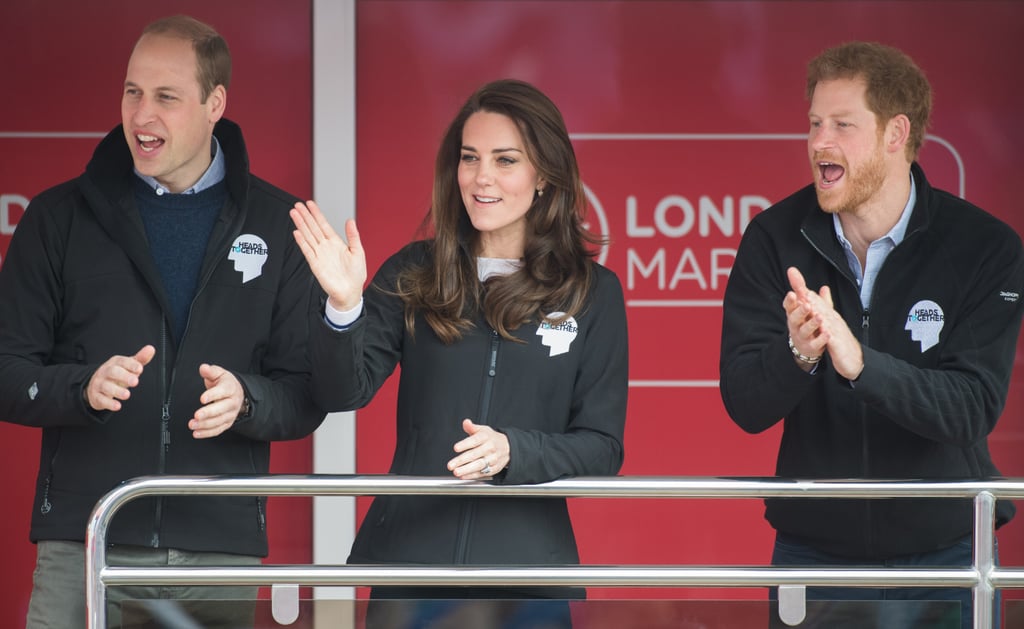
(674, 106)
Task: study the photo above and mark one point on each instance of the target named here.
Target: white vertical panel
(334, 189)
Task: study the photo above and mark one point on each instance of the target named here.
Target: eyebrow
(466, 147)
(845, 113)
(159, 88)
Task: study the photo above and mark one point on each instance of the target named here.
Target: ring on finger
(486, 468)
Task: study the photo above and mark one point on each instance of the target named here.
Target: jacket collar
(817, 225)
(111, 165)
(109, 192)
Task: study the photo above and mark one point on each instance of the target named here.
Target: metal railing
(983, 576)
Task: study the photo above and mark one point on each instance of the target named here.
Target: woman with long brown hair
(511, 340)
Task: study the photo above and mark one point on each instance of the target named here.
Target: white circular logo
(557, 336)
(249, 252)
(924, 322)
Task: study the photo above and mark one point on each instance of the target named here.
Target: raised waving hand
(340, 267)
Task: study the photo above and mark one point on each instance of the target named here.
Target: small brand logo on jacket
(1009, 295)
(557, 336)
(249, 252)
(924, 322)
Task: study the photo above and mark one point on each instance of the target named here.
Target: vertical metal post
(984, 543)
(96, 556)
(96, 601)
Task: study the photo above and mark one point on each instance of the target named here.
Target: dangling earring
(540, 192)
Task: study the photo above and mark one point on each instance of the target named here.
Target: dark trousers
(896, 608)
(480, 608)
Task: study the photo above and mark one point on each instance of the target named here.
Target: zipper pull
(165, 423)
(493, 367)
(45, 507)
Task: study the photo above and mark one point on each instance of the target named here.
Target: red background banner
(686, 116)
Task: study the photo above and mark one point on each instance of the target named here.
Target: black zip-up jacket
(79, 285)
(564, 415)
(918, 410)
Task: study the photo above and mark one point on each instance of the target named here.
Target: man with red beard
(898, 364)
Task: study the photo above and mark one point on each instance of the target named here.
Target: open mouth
(480, 199)
(148, 143)
(830, 172)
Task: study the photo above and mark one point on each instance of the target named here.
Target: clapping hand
(815, 326)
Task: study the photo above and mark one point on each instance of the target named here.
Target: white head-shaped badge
(924, 321)
(249, 252)
(557, 336)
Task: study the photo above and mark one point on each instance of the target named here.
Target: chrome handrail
(982, 576)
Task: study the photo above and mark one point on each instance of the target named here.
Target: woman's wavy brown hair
(556, 269)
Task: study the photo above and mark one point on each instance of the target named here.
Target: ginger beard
(842, 189)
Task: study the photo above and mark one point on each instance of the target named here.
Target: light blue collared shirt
(213, 175)
(878, 250)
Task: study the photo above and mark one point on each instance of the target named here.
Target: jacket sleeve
(592, 442)
(282, 395)
(37, 388)
(759, 381)
(959, 399)
(349, 366)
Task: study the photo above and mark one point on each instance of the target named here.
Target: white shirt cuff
(342, 319)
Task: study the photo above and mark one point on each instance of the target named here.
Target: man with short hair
(153, 320)
(898, 365)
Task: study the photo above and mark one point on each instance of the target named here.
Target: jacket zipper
(492, 369)
(165, 431)
(234, 232)
(45, 507)
(261, 517)
(865, 320)
(469, 509)
(167, 381)
(165, 409)
(869, 537)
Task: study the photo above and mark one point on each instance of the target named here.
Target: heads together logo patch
(924, 322)
(249, 252)
(557, 336)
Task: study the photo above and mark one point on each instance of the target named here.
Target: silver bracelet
(809, 360)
